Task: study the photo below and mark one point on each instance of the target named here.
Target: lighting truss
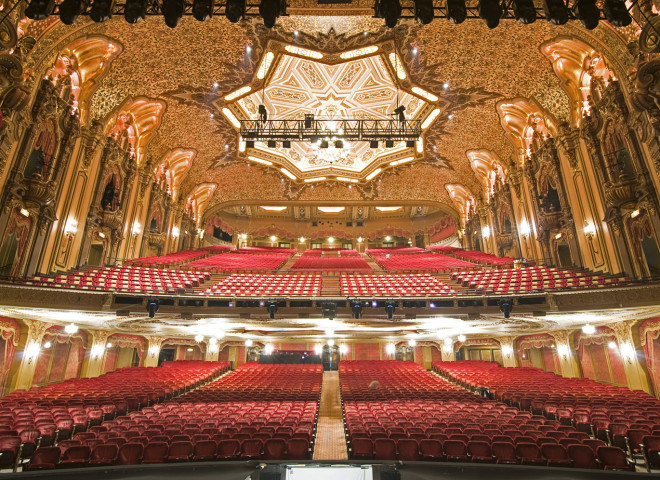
(472, 8)
(345, 129)
(155, 7)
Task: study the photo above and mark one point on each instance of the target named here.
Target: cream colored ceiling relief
(357, 84)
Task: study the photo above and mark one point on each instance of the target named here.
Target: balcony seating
(408, 285)
(256, 285)
(179, 258)
(533, 279)
(384, 250)
(424, 261)
(443, 249)
(325, 260)
(245, 259)
(483, 258)
(123, 279)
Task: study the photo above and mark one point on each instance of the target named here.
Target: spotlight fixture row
(135, 11)
(557, 12)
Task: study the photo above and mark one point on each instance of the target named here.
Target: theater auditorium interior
(355, 239)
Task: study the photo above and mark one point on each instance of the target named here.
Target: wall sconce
(137, 229)
(71, 228)
(611, 344)
(524, 228)
(108, 345)
(48, 345)
(273, 238)
(627, 352)
(388, 238)
(301, 239)
(318, 349)
(331, 239)
(359, 239)
(24, 212)
(563, 351)
(248, 343)
(412, 342)
(343, 349)
(101, 235)
(32, 352)
(243, 236)
(634, 214)
(590, 230)
(175, 232)
(213, 347)
(97, 351)
(390, 349)
(506, 350)
(485, 232)
(558, 236)
(153, 350)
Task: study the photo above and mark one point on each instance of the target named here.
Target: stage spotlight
(456, 11)
(40, 9)
(269, 11)
(152, 307)
(324, 144)
(490, 12)
(135, 11)
(389, 309)
(272, 144)
(424, 11)
(390, 10)
(272, 309)
(339, 144)
(249, 144)
(555, 11)
(587, 12)
(70, 10)
(410, 143)
(101, 10)
(172, 12)
(235, 10)
(373, 144)
(202, 10)
(616, 13)
(389, 143)
(524, 11)
(309, 120)
(357, 310)
(286, 144)
(506, 306)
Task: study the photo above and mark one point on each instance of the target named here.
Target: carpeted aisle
(330, 440)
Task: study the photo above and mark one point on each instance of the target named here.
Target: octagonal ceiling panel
(348, 88)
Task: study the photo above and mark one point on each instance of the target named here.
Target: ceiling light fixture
(202, 10)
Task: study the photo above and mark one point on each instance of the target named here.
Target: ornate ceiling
(174, 72)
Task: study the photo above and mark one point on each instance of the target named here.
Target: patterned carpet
(330, 440)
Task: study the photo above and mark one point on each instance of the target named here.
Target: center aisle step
(446, 278)
(330, 440)
(372, 263)
(288, 264)
(213, 280)
(331, 285)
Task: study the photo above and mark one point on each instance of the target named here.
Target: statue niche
(110, 197)
(40, 161)
(549, 202)
(618, 162)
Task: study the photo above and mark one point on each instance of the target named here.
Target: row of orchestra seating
(525, 280)
(254, 284)
(425, 261)
(126, 278)
(394, 250)
(399, 411)
(408, 285)
(44, 416)
(618, 416)
(255, 412)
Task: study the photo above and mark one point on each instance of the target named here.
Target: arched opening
(651, 255)
(564, 255)
(96, 255)
(8, 255)
(61, 356)
(123, 351)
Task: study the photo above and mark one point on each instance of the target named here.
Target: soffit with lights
(292, 81)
